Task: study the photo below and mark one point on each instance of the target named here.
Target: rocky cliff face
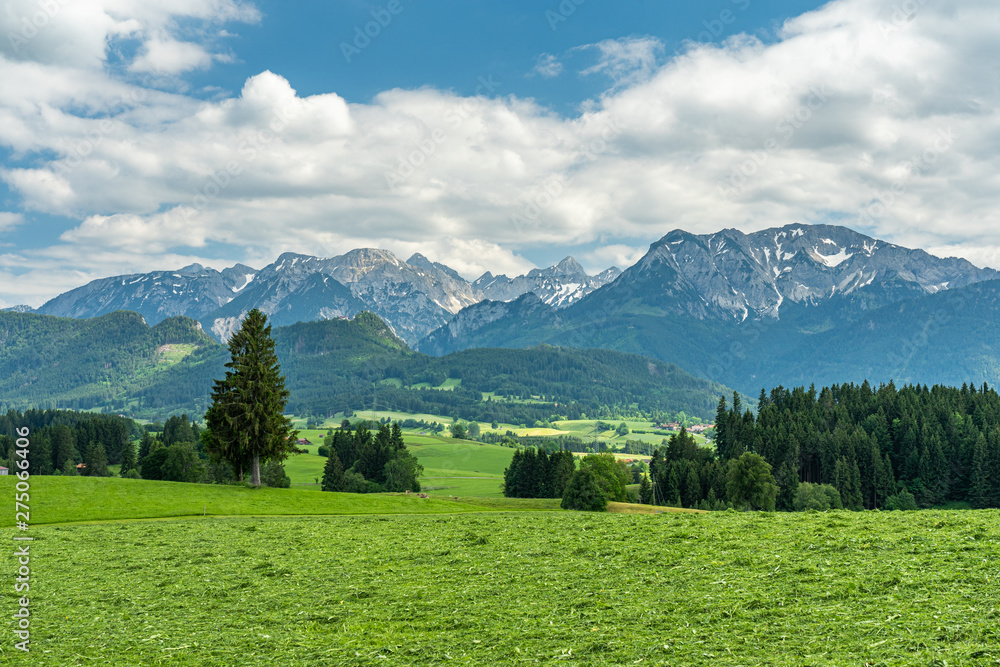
(558, 286)
(193, 291)
(415, 297)
(735, 275)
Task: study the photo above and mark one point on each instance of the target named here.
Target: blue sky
(489, 136)
(450, 44)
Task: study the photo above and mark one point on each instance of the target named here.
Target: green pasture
(442, 457)
(448, 385)
(66, 499)
(823, 589)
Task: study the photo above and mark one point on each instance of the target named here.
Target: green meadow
(513, 588)
(68, 499)
(451, 467)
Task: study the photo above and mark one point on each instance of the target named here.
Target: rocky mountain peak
(731, 274)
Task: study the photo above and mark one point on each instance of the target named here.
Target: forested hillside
(50, 362)
(118, 362)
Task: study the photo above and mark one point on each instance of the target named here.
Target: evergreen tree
(246, 422)
(788, 486)
(562, 465)
(672, 488)
(856, 503)
(979, 482)
(69, 468)
(176, 430)
(512, 476)
(333, 472)
(180, 463)
(646, 491)
(145, 444)
(377, 452)
(40, 458)
(128, 460)
(722, 435)
(692, 487)
(96, 463)
(62, 448)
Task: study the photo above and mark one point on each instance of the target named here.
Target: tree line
(852, 446)
(63, 439)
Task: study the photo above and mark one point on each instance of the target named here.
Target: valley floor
(725, 588)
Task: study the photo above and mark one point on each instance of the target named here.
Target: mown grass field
(836, 588)
(66, 499)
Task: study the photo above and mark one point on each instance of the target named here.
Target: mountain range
(415, 297)
(799, 304)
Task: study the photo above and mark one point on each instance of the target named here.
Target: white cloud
(841, 118)
(622, 256)
(78, 33)
(625, 60)
(470, 257)
(170, 56)
(10, 220)
(985, 256)
(548, 66)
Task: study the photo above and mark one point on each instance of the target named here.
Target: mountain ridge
(414, 297)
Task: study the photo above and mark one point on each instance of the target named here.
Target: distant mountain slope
(792, 305)
(415, 297)
(59, 362)
(117, 361)
(558, 286)
(732, 275)
(193, 291)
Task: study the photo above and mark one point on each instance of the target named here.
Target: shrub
(818, 497)
(904, 500)
(274, 475)
(355, 482)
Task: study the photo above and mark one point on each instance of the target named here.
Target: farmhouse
(3, 471)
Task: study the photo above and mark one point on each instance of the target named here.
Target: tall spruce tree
(128, 459)
(333, 472)
(62, 448)
(980, 491)
(96, 461)
(246, 422)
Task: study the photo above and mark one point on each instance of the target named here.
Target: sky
(499, 135)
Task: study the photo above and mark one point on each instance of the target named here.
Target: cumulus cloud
(855, 114)
(78, 33)
(171, 56)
